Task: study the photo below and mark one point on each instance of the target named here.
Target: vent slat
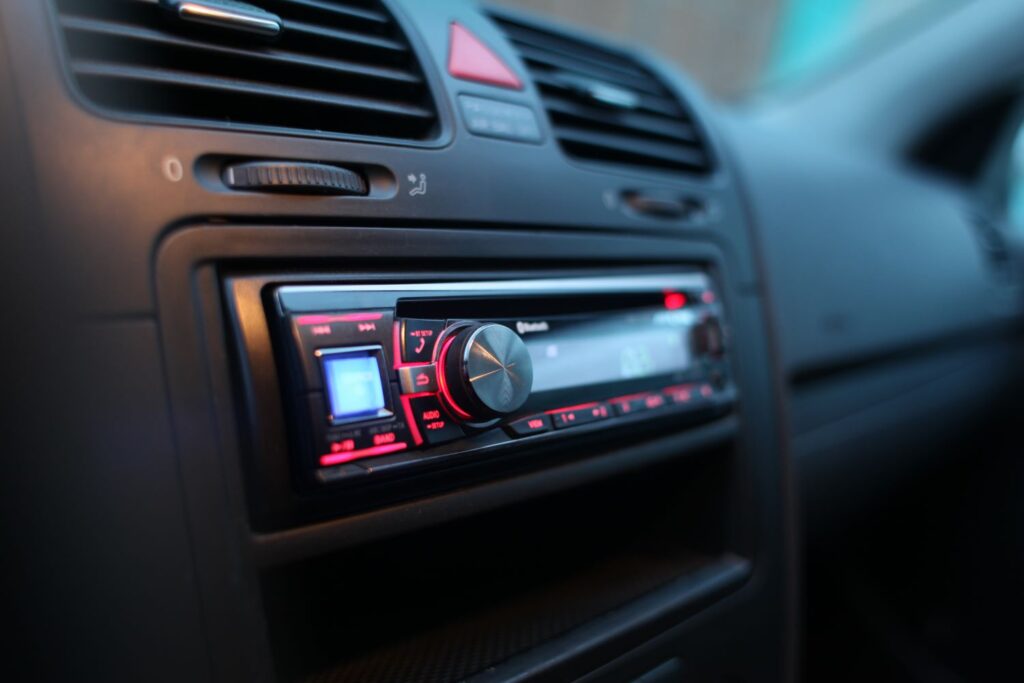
(653, 105)
(339, 67)
(293, 29)
(669, 153)
(629, 122)
(253, 88)
(345, 12)
(564, 45)
(553, 61)
(605, 106)
(145, 37)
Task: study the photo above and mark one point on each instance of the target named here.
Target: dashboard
(408, 341)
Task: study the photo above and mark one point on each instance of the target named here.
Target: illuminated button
(638, 404)
(680, 395)
(435, 425)
(527, 426)
(363, 442)
(418, 338)
(418, 379)
(704, 393)
(580, 415)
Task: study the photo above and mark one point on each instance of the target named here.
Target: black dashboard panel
(601, 555)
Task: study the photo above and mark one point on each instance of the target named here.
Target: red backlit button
(580, 415)
(418, 379)
(471, 60)
(435, 425)
(637, 404)
(681, 395)
(418, 338)
(527, 426)
(361, 443)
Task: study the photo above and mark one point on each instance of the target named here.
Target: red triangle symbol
(471, 60)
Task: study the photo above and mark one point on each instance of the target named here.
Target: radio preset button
(528, 426)
(418, 379)
(435, 425)
(418, 339)
(680, 395)
(581, 415)
(638, 404)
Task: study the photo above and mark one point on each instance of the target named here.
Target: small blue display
(353, 384)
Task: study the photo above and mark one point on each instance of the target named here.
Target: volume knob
(485, 371)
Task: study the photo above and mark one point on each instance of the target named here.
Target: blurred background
(738, 48)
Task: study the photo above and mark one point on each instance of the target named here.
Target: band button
(528, 426)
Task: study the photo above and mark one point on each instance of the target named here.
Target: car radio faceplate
(394, 378)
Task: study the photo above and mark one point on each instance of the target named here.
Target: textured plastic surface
(294, 177)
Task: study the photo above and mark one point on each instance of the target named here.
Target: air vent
(604, 106)
(335, 67)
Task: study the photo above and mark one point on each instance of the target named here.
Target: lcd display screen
(582, 353)
(354, 386)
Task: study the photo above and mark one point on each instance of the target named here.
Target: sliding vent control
(294, 178)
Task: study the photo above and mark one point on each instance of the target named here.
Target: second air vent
(605, 106)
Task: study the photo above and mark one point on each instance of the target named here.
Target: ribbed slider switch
(294, 177)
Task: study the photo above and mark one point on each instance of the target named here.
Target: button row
(688, 395)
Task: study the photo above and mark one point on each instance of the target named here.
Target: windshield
(738, 48)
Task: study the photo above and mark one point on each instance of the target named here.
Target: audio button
(434, 424)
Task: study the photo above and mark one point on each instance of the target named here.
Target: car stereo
(395, 377)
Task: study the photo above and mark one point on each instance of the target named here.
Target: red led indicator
(339, 458)
(675, 300)
(417, 438)
(535, 424)
(708, 297)
(343, 318)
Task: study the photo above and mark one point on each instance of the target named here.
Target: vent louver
(604, 106)
(336, 67)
